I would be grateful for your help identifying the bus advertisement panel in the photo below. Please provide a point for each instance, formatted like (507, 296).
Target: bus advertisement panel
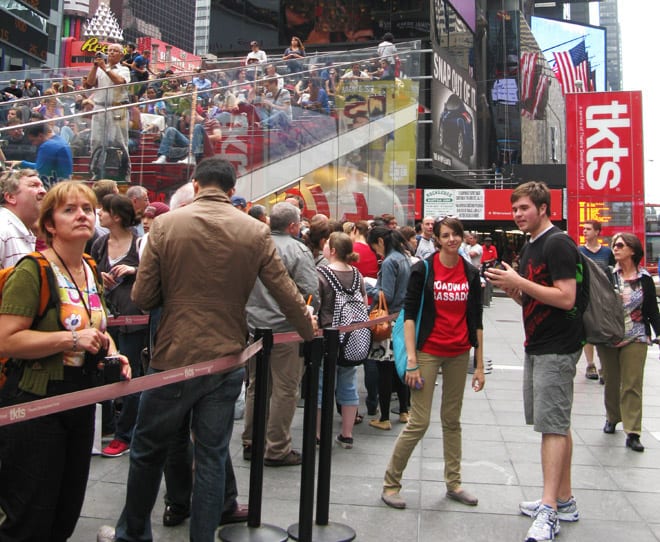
(605, 162)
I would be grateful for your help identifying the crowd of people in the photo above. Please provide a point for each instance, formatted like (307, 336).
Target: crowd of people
(104, 114)
(144, 257)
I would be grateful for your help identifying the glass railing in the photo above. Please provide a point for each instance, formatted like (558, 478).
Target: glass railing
(343, 140)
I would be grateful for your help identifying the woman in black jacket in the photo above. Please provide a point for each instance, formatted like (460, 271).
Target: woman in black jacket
(451, 324)
(623, 363)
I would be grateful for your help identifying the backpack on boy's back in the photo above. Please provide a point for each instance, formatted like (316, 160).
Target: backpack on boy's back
(349, 309)
(599, 303)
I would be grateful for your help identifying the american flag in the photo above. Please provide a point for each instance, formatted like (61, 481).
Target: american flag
(527, 66)
(571, 66)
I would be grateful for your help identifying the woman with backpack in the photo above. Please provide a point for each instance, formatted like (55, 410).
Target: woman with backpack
(448, 290)
(392, 280)
(623, 363)
(341, 284)
(45, 461)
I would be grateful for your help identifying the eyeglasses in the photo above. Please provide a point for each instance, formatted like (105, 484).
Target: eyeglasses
(619, 245)
(442, 218)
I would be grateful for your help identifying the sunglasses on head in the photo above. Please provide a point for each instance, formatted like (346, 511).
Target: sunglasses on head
(442, 218)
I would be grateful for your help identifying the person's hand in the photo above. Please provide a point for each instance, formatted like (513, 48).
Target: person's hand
(11, 164)
(125, 367)
(506, 278)
(414, 378)
(109, 281)
(92, 340)
(478, 379)
(123, 270)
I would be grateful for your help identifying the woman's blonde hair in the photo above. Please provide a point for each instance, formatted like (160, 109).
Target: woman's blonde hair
(57, 196)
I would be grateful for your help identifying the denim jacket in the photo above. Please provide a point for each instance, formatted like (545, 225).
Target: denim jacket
(392, 280)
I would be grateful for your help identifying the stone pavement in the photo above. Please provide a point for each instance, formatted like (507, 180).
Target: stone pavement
(617, 490)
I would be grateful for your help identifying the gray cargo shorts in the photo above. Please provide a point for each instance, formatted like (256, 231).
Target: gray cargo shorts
(548, 391)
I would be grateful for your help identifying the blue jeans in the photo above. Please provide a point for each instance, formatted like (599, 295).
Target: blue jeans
(131, 345)
(161, 415)
(172, 137)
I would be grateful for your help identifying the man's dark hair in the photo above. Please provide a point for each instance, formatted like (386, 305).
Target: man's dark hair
(597, 226)
(35, 130)
(216, 172)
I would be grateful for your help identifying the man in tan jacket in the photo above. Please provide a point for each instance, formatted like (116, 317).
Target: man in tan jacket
(189, 266)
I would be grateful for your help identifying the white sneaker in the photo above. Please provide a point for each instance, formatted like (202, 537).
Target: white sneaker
(545, 526)
(106, 534)
(188, 160)
(566, 511)
(162, 159)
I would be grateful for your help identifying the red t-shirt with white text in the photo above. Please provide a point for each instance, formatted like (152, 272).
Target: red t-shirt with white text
(449, 336)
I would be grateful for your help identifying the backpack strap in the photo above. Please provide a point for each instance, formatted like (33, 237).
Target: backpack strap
(334, 282)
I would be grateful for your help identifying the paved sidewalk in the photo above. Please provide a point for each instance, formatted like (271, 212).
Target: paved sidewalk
(617, 490)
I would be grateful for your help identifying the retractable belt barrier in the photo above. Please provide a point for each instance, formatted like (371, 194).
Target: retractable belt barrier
(58, 403)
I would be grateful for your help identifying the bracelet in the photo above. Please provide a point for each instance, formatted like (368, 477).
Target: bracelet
(411, 369)
(75, 336)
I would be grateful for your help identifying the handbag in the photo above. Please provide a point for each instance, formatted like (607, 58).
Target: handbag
(382, 331)
(398, 341)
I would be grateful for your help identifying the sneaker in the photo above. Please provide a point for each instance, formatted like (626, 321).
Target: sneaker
(162, 159)
(344, 442)
(116, 448)
(187, 160)
(404, 417)
(566, 511)
(106, 534)
(591, 373)
(545, 526)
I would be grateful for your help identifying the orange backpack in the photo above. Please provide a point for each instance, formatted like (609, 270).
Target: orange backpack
(47, 293)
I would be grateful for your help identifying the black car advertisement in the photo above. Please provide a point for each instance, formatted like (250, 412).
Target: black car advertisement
(453, 97)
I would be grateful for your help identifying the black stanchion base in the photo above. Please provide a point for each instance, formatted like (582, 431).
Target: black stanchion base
(243, 533)
(332, 532)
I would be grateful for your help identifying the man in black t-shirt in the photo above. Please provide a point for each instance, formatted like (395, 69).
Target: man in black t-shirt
(547, 289)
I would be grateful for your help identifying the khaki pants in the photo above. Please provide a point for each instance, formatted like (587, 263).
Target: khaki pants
(623, 371)
(286, 370)
(454, 372)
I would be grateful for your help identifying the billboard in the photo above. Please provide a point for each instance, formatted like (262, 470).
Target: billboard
(479, 204)
(605, 162)
(453, 98)
(554, 36)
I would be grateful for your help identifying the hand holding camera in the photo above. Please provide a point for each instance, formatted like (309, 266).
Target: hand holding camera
(100, 60)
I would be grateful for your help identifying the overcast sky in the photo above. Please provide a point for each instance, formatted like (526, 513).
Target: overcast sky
(639, 29)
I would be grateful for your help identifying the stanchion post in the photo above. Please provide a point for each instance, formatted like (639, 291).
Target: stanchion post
(259, 426)
(331, 337)
(313, 357)
(322, 530)
(255, 531)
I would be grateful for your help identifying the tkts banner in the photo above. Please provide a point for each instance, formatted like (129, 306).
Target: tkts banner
(605, 162)
(453, 97)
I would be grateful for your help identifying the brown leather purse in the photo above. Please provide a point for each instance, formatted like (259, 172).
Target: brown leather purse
(383, 330)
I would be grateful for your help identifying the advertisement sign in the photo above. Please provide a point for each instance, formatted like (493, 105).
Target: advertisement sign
(17, 33)
(605, 162)
(453, 98)
(487, 204)
(467, 10)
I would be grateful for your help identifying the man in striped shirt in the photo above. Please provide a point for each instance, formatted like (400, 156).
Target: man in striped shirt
(21, 193)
